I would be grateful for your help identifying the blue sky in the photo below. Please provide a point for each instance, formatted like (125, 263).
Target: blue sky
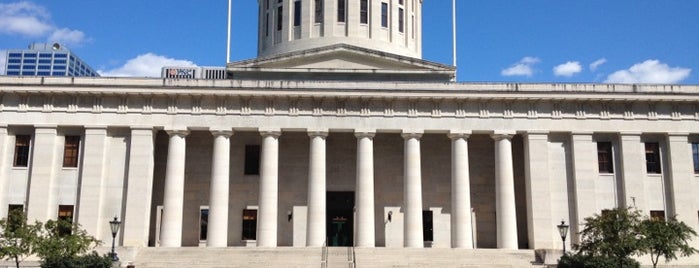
(596, 41)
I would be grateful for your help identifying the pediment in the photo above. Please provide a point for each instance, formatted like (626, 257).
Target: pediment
(341, 57)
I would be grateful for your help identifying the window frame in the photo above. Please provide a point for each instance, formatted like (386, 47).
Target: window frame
(249, 224)
(653, 161)
(401, 20)
(342, 11)
(297, 13)
(364, 11)
(71, 151)
(203, 223)
(657, 214)
(22, 151)
(384, 15)
(605, 157)
(318, 11)
(695, 156)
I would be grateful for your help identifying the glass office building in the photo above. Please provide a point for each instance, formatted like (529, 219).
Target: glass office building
(46, 60)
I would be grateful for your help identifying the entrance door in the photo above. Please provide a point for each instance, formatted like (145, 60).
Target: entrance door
(340, 221)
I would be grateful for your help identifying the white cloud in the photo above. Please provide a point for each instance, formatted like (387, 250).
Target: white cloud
(67, 36)
(567, 69)
(649, 71)
(3, 59)
(24, 18)
(525, 67)
(30, 20)
(146, 65)
(594, 65)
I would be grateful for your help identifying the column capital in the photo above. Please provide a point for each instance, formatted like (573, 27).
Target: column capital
(273, 132)
(411, 134)
(629, 133)
(364, 133)
(497, 136)
(677, 134)
(582, 133)
(537, 135)
(177, 132)
(95, 127)
(459, 134)
(360, 135)
(141, 128)
(45, 126)
(317, 132)
(221, 132)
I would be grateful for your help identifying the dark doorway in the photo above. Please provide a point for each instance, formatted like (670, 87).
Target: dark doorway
(340, 222)
(427, 226)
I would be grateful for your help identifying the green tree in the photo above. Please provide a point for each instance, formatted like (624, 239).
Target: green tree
(18, 238)
(63, 240)
(614, 234)
(665, 238)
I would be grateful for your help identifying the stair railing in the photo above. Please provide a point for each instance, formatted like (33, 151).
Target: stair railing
(324, 255)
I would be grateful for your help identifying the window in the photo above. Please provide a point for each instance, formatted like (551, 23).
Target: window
(364, 11)
(65, 215)
(70, 151)
(341, 10)
(249, 224)
(657, 215)
(604, 157)
(60, 56)
(14, 213)
(695, 156)
(252, 159)
(203, 223)
(606, 212)
(14, 207)
(653, 158)
(15, 55)
(297, 13)
(267, 24)
(401, 27)
(280, 17)
(22, 150)
(319, 11)
(384, 15)
(427, 225)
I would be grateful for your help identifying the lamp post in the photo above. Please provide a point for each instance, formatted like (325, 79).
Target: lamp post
(114, 225)
(563, 230)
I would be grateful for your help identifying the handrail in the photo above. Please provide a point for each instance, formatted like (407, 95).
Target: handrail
(351, 258)
(324, 254)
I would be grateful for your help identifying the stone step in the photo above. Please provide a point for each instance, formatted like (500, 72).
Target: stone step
(336, 257)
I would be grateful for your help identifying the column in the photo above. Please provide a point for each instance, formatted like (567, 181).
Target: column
(315, 232)
(269, 189)
(681, 180)
(538, 187)
(173, 196)
(506, 215)
(633, 168)
(91, 178)
(40, 203)
(5, 153)
(412, 192)
(217, 232)
(136, 222)
(364, 200)
(585, 172)
(461, 229)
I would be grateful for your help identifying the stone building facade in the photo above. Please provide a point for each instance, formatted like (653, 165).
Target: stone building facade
(346, 145)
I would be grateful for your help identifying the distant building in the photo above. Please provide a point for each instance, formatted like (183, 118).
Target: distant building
(194, 72)
(46, 60)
